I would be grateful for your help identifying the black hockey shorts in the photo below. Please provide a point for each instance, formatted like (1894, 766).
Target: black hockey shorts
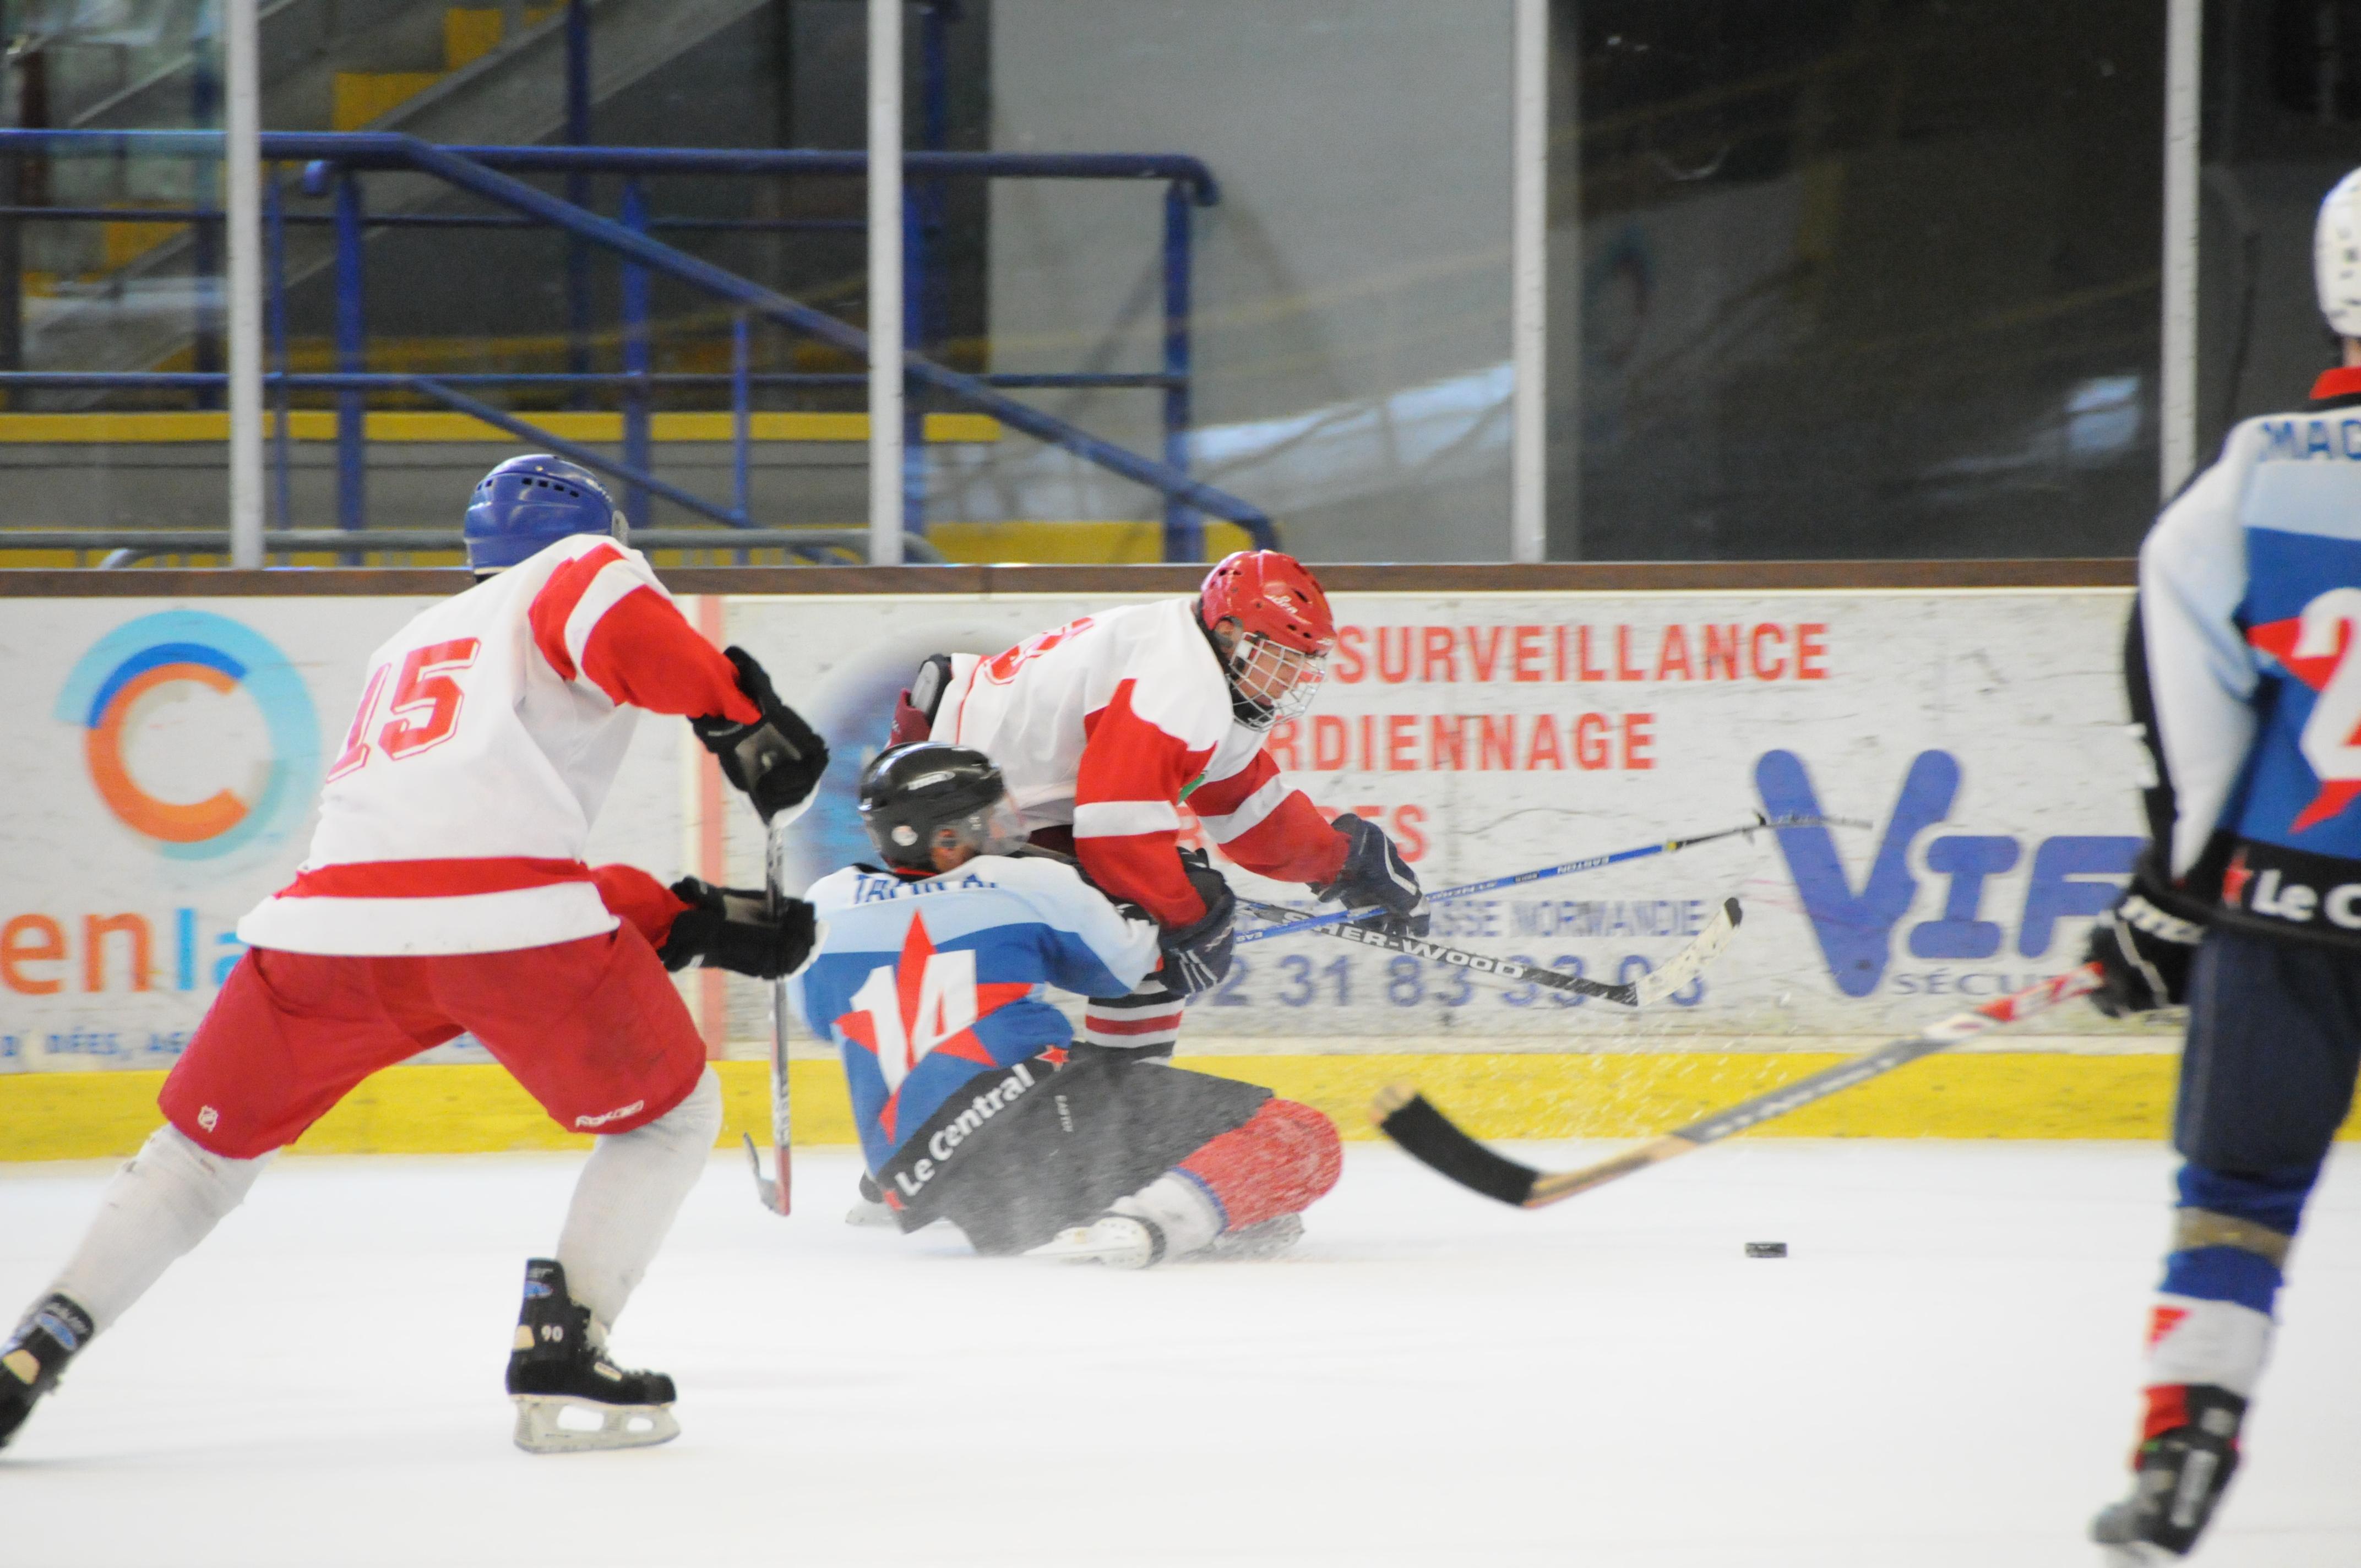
(1092, 1132)
(2274, 1038)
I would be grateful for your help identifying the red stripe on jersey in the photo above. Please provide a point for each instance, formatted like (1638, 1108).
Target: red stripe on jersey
(553, 606)
(1219, 797)
(1100, 1024)
(645, 654)
(1146, 869)
(1293, 844)
(1127, 758)
(633, 896)
(433, 879)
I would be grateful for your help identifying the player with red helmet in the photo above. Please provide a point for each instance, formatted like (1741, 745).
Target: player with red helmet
(1102, 727)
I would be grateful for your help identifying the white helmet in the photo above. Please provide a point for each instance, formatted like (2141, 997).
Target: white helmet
(2337, 257)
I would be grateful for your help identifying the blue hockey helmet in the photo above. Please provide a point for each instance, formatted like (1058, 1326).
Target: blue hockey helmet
(527, 504)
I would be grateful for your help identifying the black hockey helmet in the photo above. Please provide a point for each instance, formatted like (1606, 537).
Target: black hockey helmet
(912, 795)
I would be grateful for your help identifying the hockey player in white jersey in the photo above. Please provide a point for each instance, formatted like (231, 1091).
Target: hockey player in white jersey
(930, 980)
(444, 892)
(2241, 658)
(1104, 725)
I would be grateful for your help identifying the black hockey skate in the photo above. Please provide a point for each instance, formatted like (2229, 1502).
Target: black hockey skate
(2178, 1478)
(568, 1396)
(33, 1357)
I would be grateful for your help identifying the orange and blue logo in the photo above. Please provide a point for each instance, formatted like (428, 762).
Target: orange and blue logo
(154, 659)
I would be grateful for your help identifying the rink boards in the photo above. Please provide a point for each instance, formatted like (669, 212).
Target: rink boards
(173, 746)
(469, 1108)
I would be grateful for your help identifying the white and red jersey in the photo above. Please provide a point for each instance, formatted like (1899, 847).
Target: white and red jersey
(490, 731)
(1107, 724)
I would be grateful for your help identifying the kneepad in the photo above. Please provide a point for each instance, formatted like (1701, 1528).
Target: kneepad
(1286, 1157)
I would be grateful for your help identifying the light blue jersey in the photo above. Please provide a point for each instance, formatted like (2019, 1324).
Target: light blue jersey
(926, 983)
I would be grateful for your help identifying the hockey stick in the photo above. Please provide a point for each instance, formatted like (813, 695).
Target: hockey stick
(776, 1195)
(1404, 1114)
(1649, 988)
(1298, 921)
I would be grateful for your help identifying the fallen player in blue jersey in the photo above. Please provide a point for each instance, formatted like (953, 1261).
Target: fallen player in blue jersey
(930, 980)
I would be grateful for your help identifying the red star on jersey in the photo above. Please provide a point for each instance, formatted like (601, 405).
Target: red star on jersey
(937, 1005)
(2234, 877)
(2278, 638)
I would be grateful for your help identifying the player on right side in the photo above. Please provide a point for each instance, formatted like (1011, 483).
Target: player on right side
(2241, 667)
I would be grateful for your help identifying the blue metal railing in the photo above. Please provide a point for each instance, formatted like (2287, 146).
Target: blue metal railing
(335, 159)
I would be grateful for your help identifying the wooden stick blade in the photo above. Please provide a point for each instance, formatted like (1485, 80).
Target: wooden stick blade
(1690, 961)
(1402, 1113)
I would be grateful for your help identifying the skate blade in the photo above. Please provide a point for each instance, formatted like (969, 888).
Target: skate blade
(1255, 1244)
(871, 1216)
(2137, 1554)
(1075, 1246)
(553, 1423)
(1068, 1246)
(1078, 1246)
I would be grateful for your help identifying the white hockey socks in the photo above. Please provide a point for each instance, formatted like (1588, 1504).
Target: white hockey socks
(2193, 1342)
(156, 1211)
(1179, 1209)
(631, 1189)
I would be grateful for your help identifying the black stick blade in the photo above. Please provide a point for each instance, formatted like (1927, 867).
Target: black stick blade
(1427, 1135)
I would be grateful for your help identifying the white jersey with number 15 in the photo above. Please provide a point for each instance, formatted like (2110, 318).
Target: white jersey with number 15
(488, 732)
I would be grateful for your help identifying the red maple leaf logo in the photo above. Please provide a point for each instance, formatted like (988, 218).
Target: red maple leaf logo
(2280, 638)
(2162, 1322)
(926, 1003)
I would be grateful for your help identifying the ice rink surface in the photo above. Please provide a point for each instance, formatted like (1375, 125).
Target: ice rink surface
(1942, 1371)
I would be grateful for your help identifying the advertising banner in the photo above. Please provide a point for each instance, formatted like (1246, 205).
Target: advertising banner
(162, 767)
(1977, 740)
(166, 755)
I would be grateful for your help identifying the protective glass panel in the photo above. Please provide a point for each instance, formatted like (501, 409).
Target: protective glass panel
(1836, 279)
(2282, 126)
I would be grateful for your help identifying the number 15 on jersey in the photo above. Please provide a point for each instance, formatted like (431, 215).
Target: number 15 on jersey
(423, 711)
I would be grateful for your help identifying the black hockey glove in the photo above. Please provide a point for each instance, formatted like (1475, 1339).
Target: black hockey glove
(1197, 956)
(2145, 945)
(735, 928)
(1375, 875)
(777, 760)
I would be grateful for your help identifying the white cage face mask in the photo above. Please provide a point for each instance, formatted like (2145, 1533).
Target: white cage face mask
(1278, 682)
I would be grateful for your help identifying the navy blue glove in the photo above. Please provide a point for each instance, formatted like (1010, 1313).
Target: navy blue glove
(735, 928)
(2145, 945)
(1197, 956)
(777, 760)
(1375, 876)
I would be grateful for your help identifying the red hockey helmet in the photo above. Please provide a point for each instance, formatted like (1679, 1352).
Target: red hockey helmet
(1275, 659)
(1270, 594)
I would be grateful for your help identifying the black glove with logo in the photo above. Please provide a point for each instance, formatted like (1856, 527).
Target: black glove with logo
(1376, 876)
(1197, 956)
(736, 928)
(777, 760)
(2145, 945)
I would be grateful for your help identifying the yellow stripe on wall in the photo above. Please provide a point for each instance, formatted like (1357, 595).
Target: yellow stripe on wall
(320, 424)
(479, 1109)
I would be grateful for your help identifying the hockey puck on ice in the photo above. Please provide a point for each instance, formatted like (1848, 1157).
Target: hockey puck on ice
(1766, 1249)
